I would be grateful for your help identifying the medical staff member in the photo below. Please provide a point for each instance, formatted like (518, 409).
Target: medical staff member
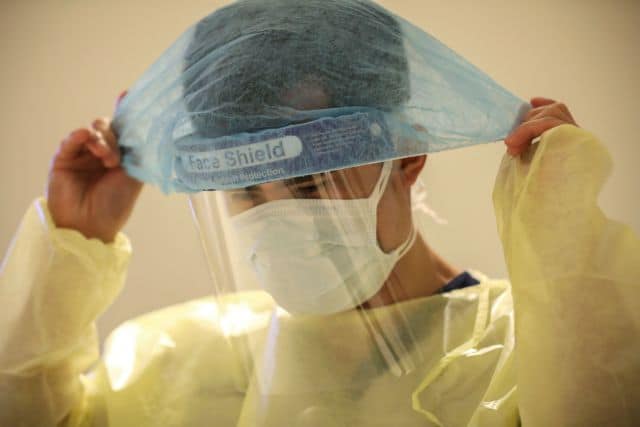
(69, 260)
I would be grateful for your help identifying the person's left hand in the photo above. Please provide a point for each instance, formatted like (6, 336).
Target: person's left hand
(545, 114)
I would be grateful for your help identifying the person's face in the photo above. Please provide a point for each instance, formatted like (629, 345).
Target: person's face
(394, 208)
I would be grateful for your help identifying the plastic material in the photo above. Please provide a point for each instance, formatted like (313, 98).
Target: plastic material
(330, 247)
(262, 91)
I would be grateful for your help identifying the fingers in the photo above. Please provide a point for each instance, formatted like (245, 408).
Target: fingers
(106, 134)
(74, 144)
(82, 147)
(102, 127)
(539, 101)
(555, 109)
(80, 142)
(545, 114)
(520, 139)
(98, 141)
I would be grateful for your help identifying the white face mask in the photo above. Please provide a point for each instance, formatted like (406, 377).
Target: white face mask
(318, 256)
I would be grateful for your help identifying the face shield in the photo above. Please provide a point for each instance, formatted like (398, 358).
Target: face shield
(315, 283)
(310, 242)
(301, 173)
(313, 247)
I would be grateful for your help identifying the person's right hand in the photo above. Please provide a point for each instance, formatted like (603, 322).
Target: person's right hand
(88, 190)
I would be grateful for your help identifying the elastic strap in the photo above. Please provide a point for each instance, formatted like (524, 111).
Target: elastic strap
(381, 185)
(378, 191)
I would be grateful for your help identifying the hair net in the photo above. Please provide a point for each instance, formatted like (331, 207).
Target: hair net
(261, 91)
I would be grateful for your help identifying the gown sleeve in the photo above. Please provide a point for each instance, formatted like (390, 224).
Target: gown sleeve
(575, 278)
(54, 283)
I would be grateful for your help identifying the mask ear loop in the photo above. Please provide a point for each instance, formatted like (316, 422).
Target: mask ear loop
(383, 180)
(378, 191)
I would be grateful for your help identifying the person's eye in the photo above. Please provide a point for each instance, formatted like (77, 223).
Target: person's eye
(307, 190)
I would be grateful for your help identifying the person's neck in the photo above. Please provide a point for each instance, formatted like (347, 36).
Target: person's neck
(419, 273)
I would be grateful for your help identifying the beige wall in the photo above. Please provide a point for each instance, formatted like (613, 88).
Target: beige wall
(65, 61)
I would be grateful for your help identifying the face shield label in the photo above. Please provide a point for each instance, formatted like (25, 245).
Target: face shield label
(252, 155)
(247, 159)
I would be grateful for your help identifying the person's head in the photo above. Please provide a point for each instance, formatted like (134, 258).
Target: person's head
(265, 60)
(250, 63)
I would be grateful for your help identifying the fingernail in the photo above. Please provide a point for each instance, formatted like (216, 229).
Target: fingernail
(100, 139)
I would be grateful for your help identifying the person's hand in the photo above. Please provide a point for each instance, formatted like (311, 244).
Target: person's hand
(545, 114)
(88, 190)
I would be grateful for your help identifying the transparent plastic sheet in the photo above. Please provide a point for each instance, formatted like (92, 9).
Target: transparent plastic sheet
(323, 320)
(257, 91)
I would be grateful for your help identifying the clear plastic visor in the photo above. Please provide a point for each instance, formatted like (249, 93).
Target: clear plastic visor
(346, 184)
(316, 294)
(317, 244)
